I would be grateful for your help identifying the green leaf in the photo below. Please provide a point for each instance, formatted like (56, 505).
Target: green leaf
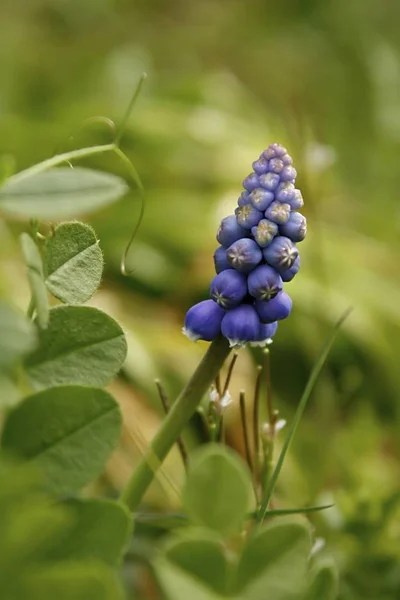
(81, 345)
(68, 432)
(9, 393)
(59, 193)
(218, 489)
(34, 266)
(177, 583)
(274, 562)
(17, 336)
(324, 582)
(73, 581)
(100, 531)
(202, 556)
(73, 263)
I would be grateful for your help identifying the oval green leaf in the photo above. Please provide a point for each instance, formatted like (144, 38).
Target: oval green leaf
(73, 263)
(59, 193)
(68, 432)
(324, 582)
(34, 266)
(81, 345)
(17, 336)
(74, 580)
(100, 530)
(218, 489)
(274, 562)
(203, 557)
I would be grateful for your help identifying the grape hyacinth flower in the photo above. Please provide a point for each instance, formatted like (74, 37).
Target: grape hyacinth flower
(281, 253)
(256, 256)
(230, 231)
(221, 260)
(241, 325)
(247, 216)
(203, 321)
(264, 283)
(228, 288)
(244, 255)
(276, 309)
(264, 232)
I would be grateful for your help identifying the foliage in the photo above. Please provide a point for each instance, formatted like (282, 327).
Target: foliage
(323, 79)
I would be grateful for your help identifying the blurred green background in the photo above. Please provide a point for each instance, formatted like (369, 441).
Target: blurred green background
(225, 80)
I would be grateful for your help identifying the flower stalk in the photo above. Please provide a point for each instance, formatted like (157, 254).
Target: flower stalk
(171, 428)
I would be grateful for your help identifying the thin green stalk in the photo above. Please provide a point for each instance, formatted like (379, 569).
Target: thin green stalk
(62, 158)
(166, 406)
(180, 413)
(125, 119)
(299, 412)
(256, 424)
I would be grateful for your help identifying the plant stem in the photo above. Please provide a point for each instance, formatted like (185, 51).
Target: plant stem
(61, 158)
(256, 424)
(167, 408)
(180, 413)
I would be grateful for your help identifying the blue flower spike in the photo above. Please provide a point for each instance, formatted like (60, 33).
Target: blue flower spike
(256, 257)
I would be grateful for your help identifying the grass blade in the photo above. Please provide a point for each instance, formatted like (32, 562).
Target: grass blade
(299, 412)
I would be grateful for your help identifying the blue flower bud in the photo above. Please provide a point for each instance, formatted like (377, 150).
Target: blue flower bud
(286, 159)
(220, 260)
(251, 182)
(275, 165)
(264, 232)
(244, 198)
(265, 334)
(274, 151)
(295, 228)
(281, 253)
(285, 192)
(228, 288)
(269, 181)
(297, 201)
(244, 255)
(261, 198)
(289, 173)
(241, 325)
(247, 216)
(260, 166)
(229, 231)
(288, 274)
(274, 310)
(264, 283)
(278, 213)
(203, 321)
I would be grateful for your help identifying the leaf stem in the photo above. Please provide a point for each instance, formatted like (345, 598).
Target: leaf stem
(180, 413)
(298, 414)
(61, 158)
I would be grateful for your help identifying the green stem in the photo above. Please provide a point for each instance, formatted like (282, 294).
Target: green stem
(61, 158)
(180, 413)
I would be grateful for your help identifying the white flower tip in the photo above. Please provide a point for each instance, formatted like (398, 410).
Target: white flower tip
(194, 337)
